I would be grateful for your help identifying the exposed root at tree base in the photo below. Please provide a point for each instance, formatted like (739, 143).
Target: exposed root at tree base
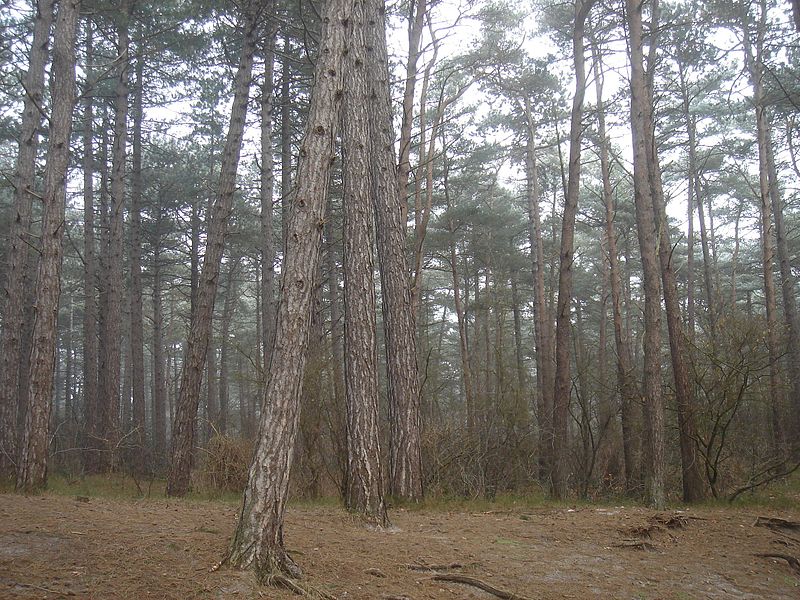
(481, 585)
(793, 562)
(300, 589)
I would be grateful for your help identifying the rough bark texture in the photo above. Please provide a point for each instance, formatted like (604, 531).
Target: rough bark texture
(32, 467)
(11, 357)
(646, 228)
(364, 494)
(405, 459)
(563, 384)
(183, 429)
(258, 541)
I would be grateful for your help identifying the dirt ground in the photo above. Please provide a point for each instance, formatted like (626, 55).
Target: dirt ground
(57, 547)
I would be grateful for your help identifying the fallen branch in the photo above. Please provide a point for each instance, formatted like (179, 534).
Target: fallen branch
(776, 524)
(793, 562)
(481, 585)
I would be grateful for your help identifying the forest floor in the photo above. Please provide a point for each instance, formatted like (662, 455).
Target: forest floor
(60, 546)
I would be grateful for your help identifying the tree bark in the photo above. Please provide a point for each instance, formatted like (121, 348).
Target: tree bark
(417, 9)
(12, 360)
(563, 384)
(693, 485)
(32, 467)
(364, 475)
(135, 265)
(159, 367)
(405, 454)
(265, 193)
(646, 228)
(258, 540)
(183, 429)
(111, 359)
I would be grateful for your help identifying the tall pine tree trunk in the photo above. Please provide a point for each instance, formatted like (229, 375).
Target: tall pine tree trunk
(626, 377)
(135, 261)
(646, 227)
(183, 429)
(12, 358)
(32, 467)
(563, 384)
(112, 353)
(364, 493)
(405, 454)
(258, 540)
(542, 322)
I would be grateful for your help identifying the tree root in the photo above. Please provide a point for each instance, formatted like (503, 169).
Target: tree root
(300, 589)
(481, 585)
(793, 562)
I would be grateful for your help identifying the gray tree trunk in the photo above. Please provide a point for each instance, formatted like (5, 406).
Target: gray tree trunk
(364, 474)
(405, 454)
(258, 540)
(646, 227)
(563, 384)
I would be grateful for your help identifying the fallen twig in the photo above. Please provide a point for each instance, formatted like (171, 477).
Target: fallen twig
(793, 562)
(636, 545)
(481, 585)
(421, 567)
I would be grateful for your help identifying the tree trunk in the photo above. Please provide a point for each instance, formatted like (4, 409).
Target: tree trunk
(112, 354)
(338, 418)
(135, 263)
(405, 459)
(286, 144)
(787, 289)
(417, 10)
(645, 223)
(265, 194)
(90, 355)
(754, 65)
(364, 474)
(626, 377)
(32, 467)
(258, 541)
(228, 310)
(159, 370)
(12, 359)
(561, 396)
(183, 430)
(693, 485)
